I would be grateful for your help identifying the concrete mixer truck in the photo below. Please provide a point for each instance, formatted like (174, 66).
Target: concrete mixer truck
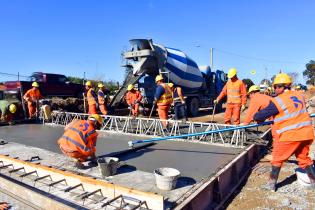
(145, 60)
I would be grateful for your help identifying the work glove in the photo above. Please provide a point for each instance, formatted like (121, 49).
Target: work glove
(154, 102)
(216, 101)
(243, 107)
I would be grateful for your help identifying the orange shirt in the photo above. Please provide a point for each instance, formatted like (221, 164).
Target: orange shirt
(235, 92)
(132, 96)
(32, 95)
(258, 101)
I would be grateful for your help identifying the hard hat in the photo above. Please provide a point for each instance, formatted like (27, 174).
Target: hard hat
(88, 83)
(170, 85)
(158, 78)
(253, 88)
(130, 87)
(282, 78)
(35, 84)
(96, 117)
(12, 108)
(232, 73)
(100, 85)
(298, 87)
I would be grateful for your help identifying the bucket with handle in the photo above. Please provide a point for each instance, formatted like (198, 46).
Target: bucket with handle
(166, 178)
(108, 166)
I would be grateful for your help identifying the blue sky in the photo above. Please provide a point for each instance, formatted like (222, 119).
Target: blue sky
(76, 36)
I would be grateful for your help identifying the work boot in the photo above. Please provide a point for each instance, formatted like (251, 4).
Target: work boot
(79, 165)
(310, 171)
(274, 174)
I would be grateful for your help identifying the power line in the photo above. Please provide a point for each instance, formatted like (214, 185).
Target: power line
(255, 58)
(13, 75)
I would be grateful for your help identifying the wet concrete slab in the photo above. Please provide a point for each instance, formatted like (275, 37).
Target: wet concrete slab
(194, 161)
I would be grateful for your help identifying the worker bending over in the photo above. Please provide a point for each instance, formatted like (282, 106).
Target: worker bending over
(178, 102)
(101, 96)
(79, 139)
(7, 111)
(235, 90)
(163, 99)
(133, 99)
(91, 98)
(293, 129)
(258, 101)
(32, 96)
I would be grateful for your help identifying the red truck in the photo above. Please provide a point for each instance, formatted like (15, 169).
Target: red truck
(49, 85)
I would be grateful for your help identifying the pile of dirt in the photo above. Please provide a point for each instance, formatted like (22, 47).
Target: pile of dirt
(69, 104)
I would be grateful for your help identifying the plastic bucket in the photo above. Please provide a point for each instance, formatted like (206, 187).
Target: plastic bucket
(108, 166)
(166, 178)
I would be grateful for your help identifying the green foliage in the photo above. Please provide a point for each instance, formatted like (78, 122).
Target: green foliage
(248, 83)
(309, 73)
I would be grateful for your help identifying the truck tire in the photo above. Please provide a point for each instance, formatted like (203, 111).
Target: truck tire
(193, 107)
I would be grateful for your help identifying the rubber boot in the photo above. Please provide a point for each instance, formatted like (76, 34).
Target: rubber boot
(311, 175)
(273, 178)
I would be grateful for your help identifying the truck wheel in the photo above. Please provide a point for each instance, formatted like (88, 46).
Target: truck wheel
(193, 107)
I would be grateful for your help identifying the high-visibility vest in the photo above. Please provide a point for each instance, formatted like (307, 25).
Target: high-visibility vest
(91, 97)
(293, 122)
(234, 91)
(80, 137)
(167, 97)
(32, 95)
(131, 97)
(101, 97)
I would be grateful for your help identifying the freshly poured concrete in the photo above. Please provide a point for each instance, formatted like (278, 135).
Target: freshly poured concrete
(194, 161)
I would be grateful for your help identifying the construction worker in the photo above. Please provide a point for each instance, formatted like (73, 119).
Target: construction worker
(91, 98)
(163, 99)
(293, 129)
(101, 96)
(79, 139)
(235, 90)
(32, 96)
(178, 102)
(133, 99)
(258, 101)
(7, 110)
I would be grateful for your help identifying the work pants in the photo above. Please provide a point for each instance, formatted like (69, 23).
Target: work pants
(163, 113)
(103, 109)
(74, 154)
(135, 110)
(92, 109)
(179, 111)
(31, 109)
(232, 111)
(282, 151)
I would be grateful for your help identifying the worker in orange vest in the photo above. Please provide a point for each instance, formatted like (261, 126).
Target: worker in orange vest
(133, 99)
(163, 99)
(91, 98)
(79, 139)
(178, 102)
(258, 102)
(32, 96)
(294, 132)
(101, 96)
(235, 90)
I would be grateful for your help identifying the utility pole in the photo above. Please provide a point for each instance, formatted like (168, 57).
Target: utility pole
(211, 58)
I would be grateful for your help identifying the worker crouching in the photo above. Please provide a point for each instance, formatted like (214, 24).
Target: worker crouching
(163, 99)
(7, 111)
(79, 139)
(133, 99)
(32, 97)
(293, 131)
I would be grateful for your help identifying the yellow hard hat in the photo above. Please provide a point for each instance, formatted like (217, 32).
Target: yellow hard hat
(88, 83)
(170, 85)
(298, 87)
(130, 87)
(100, 85)
(96, 117)
(282, 78)
(232, 73)
(158, 78)
(253, 88)
(35, 84)
(12, 108)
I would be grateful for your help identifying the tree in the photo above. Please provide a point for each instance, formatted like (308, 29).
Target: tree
(265, 82)
(294, 76)
(309, 73)
(248, 83)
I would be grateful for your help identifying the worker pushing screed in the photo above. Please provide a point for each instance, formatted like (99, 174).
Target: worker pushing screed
(91, 97)
(101, 97)
(235, 90)
(293, 131)
(32, 97)
(79, 139)
(133, 99)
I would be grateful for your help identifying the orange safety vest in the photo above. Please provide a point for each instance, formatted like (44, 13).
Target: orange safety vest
(293, 122)
(91, 97)
(80, 137)
(131, 97)
(234, 91)
(32, 95)
(167, 97)
(101, 97)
